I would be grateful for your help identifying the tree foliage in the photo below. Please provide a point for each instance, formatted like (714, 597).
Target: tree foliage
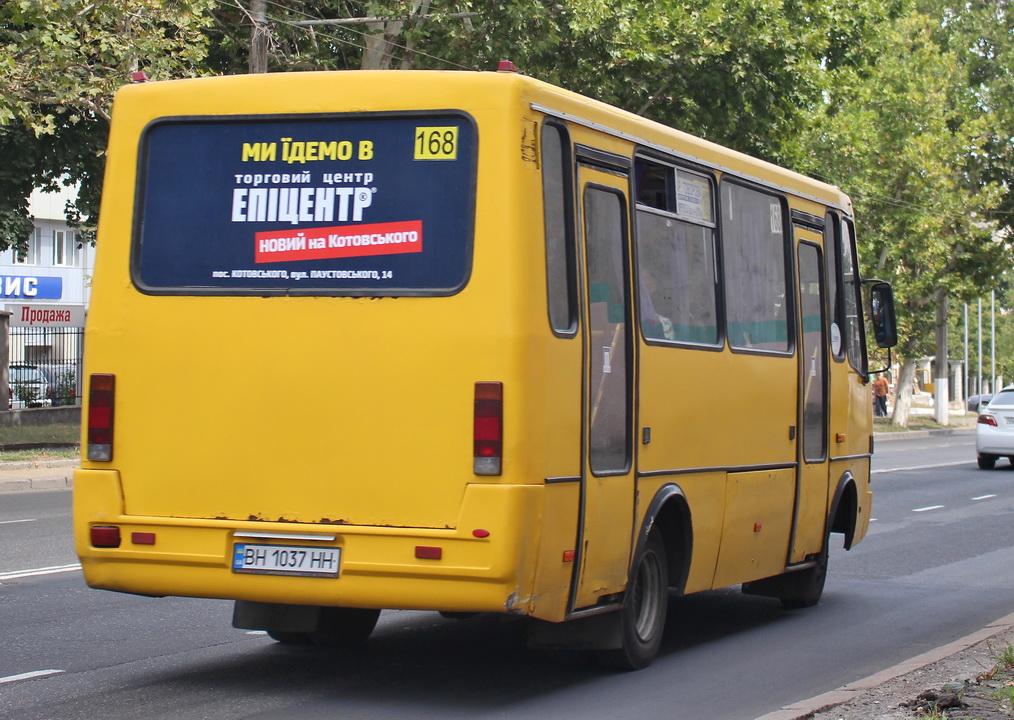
(906, 104)
(61, 61)
(900, 138)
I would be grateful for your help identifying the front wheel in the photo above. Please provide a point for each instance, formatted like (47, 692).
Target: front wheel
(644, 609)
(986, 462)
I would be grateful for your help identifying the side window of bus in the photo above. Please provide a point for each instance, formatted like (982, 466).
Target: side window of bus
(851, 300)
(832, 258)
(677, 284)
(557, 198)
(755, 270)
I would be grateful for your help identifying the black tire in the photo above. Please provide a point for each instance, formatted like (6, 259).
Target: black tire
(986, 462)
(808, 584)
(644, 610)
(344, 627)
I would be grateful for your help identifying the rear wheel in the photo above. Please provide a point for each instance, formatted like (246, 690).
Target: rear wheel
(986, 462)
(341, 627)
(644, 610)
(808, 585)
(336, 627)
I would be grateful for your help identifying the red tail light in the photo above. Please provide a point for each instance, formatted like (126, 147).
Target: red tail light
(101, 401)
(487, 435)
(987, 420)
(105, 536)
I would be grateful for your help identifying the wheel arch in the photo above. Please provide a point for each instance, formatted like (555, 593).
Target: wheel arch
(669, 512)
(844, 513)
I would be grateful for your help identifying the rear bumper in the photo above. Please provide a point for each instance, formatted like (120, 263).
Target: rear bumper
(994, 442)
(379, 567)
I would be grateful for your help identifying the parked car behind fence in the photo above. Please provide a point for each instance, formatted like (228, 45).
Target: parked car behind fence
(63, 383)
(29, 387)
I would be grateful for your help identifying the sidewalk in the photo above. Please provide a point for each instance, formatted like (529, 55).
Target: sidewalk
(892, 694)
(31, 475)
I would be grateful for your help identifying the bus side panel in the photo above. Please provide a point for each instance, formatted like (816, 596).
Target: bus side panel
(757, 526)
(858, 443)
(705, 495)
(708, 409)
(554, 575)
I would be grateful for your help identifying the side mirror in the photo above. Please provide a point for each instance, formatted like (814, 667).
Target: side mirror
(882, 318)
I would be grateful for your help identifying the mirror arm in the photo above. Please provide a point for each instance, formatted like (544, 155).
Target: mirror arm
(883, 369)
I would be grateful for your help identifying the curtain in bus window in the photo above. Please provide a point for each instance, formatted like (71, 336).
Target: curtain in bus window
(607, 313)
(676, 275)
(753, 246)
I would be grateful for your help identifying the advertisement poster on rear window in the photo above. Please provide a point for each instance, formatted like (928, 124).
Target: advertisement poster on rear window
(374, 205)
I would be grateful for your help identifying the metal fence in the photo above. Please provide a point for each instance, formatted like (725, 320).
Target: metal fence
(45, 366)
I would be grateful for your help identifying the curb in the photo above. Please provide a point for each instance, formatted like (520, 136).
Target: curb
(13, 485)
(804, 709)
(37, 475)
(915, 434)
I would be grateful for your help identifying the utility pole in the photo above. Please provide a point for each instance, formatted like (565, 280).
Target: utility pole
(259, 36)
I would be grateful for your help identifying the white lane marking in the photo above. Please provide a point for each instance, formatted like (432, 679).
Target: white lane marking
(984, 497)
(929, 507)
(29, 675)
(12, 522)
(920, 467)
(52, 570)
(256, 632)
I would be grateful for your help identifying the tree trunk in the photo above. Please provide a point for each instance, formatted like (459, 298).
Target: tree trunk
(941, 375)
(375, 43)
(903, 394)
(258, 37)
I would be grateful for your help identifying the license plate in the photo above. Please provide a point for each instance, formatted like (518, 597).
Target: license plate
(286, 560)
(1010, 420)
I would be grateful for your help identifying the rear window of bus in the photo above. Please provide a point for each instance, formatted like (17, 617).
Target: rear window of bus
(361, 205)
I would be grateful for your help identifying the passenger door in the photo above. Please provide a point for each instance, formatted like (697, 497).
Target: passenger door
(608, 477)
(811, 483)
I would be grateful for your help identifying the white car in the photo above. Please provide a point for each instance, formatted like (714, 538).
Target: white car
(29, 387)
(994, 430)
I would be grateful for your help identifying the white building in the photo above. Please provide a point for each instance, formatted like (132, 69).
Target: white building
(57, 269)
(47, 288)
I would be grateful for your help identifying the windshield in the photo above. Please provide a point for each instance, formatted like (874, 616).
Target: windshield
(334, 205)
(1004, 397)
(23, 375)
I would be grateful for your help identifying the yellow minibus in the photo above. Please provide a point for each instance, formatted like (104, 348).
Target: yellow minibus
(463, 342)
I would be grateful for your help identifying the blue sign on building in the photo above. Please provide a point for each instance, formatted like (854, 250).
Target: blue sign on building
(31, 287)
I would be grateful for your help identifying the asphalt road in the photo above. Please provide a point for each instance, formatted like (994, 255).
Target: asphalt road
(935, 567)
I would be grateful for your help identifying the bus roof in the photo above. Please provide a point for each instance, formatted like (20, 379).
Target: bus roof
(384, 90)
